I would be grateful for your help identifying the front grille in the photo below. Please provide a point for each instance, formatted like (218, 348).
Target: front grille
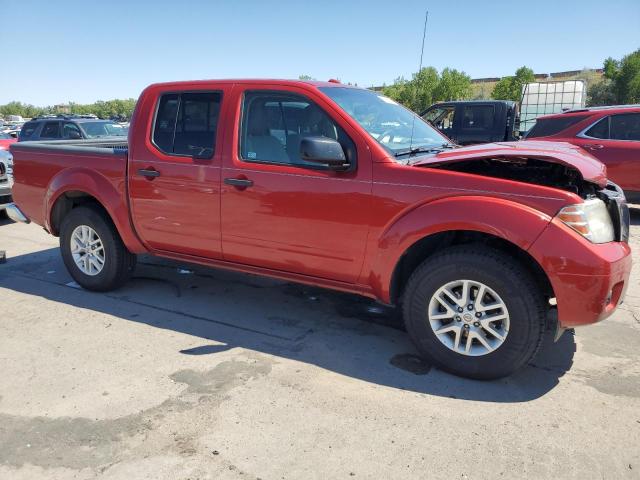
(3, 169)
(613, 196)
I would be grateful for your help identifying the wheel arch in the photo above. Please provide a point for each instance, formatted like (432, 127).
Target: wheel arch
(75, 187)
(422, 249)
(501, 223)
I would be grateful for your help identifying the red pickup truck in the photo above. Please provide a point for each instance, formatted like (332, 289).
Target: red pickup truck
(341, 187)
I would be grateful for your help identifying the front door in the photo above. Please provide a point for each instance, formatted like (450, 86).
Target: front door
(279, 212)
(174, 176)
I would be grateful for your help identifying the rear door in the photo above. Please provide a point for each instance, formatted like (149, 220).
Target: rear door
(277, 211)
(174, 172)
(615, 141)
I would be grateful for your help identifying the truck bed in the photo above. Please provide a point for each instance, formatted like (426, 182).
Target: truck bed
(43, 166)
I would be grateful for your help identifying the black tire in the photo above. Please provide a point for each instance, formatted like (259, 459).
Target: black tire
(508, 278)
(3, 215)
(119, 262)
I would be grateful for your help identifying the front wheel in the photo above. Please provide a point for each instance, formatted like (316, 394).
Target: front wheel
(475, 312)
(92, 250)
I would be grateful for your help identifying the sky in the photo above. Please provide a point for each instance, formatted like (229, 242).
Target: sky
(85, 50)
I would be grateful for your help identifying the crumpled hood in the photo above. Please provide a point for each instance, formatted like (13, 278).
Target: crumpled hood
(591, 169)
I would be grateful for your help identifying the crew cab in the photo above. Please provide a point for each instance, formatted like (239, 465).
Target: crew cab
(611, 134)
(484, 248)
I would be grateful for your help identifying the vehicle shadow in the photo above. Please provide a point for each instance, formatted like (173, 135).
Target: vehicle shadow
(343, 333)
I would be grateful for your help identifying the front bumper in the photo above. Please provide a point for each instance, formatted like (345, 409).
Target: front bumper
(589, 280)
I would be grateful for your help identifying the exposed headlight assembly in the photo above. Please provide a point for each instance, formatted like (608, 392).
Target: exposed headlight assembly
(590, 219)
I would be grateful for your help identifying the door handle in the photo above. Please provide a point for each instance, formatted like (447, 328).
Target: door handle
(594, 146)
(149, 172)
(238, 182)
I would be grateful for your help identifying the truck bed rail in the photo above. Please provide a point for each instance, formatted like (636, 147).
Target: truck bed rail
(96, 146)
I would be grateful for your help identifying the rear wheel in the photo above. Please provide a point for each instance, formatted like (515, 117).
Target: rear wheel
(475, 312)
(92, 250)
(3, 215)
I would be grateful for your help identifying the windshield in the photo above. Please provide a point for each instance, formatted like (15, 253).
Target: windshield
(389, 123)
(4, 136)
(103, 129)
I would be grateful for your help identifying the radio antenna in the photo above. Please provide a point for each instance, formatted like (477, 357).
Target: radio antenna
(424, 35)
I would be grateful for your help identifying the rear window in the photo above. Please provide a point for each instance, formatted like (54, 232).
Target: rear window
(478, 117)
(186, 123)
(28, 129)
(546, 127)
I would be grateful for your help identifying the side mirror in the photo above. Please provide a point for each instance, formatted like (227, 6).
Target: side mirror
(73, 135)
(323, 151)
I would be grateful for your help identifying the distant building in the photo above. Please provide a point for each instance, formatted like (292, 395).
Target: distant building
(62, 108)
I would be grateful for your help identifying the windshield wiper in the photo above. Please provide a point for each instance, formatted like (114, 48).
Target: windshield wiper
(416, 150)
(424, 149)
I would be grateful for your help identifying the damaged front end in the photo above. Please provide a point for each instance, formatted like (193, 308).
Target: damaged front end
(525, 170)
(549, 173)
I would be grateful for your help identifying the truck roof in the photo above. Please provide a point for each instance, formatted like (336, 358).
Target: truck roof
(266, 81)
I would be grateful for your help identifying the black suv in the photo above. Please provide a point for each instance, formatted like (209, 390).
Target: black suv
(69, 128)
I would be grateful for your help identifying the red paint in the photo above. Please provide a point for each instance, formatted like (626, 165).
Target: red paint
(340, 230)
(621, 157)
(6, 142)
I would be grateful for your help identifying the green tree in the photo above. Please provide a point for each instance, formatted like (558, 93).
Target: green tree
(510, 88)
(428, 86)
(453, 85)
(625, 77)
(305, 77)
(601, 93)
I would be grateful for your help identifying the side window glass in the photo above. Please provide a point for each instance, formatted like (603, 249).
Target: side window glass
(27, 130)
(70, 130)
(165, 124)
(599, 130)
(478, 117)
(51, 130)
(196, 125)
(625, 126)
(186, 123)
(444, 121)
(274, 124)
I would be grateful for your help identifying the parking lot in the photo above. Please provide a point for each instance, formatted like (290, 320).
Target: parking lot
(192, 373)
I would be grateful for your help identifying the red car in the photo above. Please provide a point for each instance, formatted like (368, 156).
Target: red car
(343, 188)
(6, 140)
(611, 134)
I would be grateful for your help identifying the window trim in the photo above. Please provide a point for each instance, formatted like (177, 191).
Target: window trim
(284, 93)
(583, 134)
(155, 117)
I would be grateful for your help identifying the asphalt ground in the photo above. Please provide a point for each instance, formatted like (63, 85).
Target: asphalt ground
(194, 373)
